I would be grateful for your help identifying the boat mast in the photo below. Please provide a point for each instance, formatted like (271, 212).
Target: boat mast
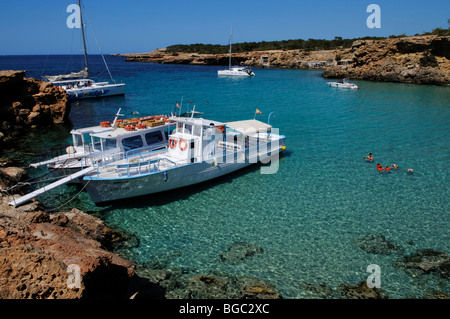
(231, 40)
(84, 40)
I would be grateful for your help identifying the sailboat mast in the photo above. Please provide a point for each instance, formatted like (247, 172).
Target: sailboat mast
(231, 41)
(84, 40)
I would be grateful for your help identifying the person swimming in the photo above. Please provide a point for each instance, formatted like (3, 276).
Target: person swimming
(369, 157)
(394, 166)
(379, 167)
(410, 171)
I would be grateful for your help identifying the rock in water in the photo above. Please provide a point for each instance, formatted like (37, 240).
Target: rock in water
(378, 244)
(240, 251)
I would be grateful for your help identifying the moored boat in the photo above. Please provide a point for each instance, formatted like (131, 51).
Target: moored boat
(198, 150)
(344, 84)
(108, 138)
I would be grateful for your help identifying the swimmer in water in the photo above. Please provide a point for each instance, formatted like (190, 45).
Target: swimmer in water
(394, 166)
(369, 158)
(379, 167)
(410, 171)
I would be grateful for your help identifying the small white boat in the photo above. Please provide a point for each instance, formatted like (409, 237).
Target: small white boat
(344, 84)
(235, 70)
(108, 138)
(199, 150)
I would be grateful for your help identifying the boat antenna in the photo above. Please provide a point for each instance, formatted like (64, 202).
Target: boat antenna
(115, 118)
(268, 118)
(84, 41)
(231, 41)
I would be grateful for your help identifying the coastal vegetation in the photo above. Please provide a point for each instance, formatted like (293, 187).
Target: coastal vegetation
(294, 44)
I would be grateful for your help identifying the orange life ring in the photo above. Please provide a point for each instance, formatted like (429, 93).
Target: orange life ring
(105, 124)
(130, 127)
(182, 140)
(172, 143)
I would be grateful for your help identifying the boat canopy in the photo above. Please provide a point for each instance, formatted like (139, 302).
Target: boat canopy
(249, 126)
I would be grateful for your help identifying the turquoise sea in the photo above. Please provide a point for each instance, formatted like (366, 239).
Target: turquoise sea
(308, 217)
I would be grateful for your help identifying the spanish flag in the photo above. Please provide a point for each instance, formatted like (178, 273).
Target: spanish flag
(258, 111)
(178, 106)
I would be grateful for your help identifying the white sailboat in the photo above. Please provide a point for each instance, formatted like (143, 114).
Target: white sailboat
(235, 70)
(79, 85)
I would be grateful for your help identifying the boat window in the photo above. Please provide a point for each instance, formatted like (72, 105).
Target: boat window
(87, 138)
(187, 128)
(77, 140)
(197, 130)
(109, 143)
(153, 137)
(133, 142)
(96, 143)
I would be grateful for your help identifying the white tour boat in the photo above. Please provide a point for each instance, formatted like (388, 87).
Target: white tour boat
(78, 85)
(235, 70)
(344, 84)
(199, 150)
(108, 138)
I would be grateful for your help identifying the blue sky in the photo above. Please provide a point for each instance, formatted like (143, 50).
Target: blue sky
(39, 27)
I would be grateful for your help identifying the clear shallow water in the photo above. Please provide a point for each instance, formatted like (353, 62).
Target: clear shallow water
(308, 216)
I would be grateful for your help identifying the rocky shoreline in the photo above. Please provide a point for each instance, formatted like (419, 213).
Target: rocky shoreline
(26, 103)
(418, 59)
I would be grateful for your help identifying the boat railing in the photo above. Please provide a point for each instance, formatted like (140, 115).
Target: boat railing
(145, 150)
(138, 168)
(102, 157)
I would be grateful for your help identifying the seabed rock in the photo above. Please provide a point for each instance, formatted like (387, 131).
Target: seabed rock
(360, 291)
(240, 251)
(424, 262)
(378, 244)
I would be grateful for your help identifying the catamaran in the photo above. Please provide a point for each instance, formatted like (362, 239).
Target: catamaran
(343, 84)
(79, 85)
(235, 70)
(199, 150)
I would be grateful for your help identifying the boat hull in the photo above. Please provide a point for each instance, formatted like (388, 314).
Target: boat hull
(235, 73)
(108, 190)
(343, 85)
(96, 91)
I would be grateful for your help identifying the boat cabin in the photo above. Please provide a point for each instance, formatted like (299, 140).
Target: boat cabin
(98, 138)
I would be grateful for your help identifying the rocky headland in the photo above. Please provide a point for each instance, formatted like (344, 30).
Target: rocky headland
(27, 103)
(418, 59)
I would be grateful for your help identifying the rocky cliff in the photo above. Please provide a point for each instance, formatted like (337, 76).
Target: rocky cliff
(420, 60)
(273, 58)
(28, 103)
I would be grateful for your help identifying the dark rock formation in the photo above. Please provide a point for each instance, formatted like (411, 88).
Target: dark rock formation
(175, 284)
(427, 261)
(240, 251)
(377, 244)
(360, 291)
(28, 103)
